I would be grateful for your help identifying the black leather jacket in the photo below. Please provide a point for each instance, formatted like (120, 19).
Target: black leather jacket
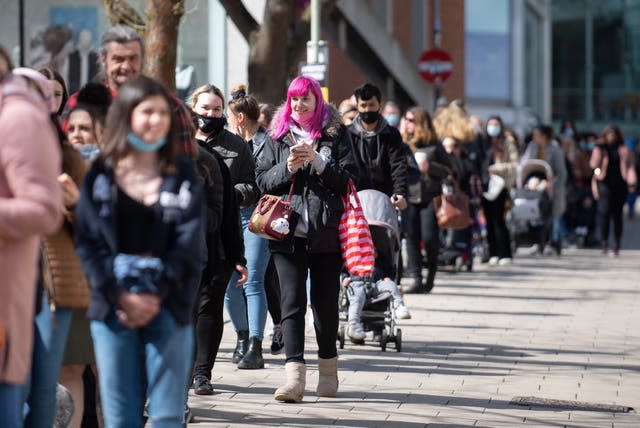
(321, 191)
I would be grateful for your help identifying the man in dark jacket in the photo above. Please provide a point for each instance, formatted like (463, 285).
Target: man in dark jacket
(377, 148)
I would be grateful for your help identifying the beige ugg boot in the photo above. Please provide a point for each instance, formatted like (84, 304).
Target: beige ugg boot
(327, 377)
(293, 390)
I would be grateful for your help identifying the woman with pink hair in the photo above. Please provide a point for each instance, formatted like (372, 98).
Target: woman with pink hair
(311, 151)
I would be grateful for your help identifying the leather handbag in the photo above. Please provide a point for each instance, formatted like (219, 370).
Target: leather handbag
(272, 216)
(62, 273)
(452, 208)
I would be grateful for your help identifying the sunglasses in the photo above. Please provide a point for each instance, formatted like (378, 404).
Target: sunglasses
(410, 119)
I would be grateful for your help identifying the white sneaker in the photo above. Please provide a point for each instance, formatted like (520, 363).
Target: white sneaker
(505, 261)
(402, 312)
(356, 333)
(494, 260)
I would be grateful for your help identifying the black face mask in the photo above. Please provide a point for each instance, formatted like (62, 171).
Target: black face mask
(211, 124)
(369, 117)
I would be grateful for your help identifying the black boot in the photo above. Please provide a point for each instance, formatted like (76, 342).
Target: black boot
(431, 276)
(241, 346)
(253, 358)
(413, 285)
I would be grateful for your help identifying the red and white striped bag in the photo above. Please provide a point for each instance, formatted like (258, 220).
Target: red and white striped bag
(355, 236)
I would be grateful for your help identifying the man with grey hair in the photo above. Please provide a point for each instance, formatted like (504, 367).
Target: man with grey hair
(121, 59)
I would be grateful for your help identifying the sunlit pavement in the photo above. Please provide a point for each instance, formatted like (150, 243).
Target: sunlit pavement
(563, 328)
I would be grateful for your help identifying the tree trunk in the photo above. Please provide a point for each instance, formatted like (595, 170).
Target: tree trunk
(161, 40)
(268, 62)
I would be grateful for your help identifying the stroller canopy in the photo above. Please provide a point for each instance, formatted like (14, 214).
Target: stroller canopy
(533, 167)
(379, 211)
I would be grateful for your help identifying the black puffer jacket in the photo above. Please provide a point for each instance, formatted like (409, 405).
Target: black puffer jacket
(321, 191)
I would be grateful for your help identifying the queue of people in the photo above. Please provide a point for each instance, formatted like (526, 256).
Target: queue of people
(136, 209)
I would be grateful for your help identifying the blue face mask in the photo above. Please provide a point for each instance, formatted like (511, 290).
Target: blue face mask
(142, 146)
(89, 151)
(393, 119)
(587, 146)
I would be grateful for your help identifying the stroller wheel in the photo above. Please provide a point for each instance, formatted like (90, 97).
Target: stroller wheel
(384, 337)
(398, 340)
(341, 336)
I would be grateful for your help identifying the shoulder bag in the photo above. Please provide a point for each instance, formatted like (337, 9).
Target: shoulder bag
(271, 217)
(452, 207)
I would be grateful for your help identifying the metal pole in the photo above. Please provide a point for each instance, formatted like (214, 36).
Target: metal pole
(21, 30)
(437, 28)
(315, 30)
(437, 24)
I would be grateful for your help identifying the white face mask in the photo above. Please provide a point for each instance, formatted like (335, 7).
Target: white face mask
(493, 130)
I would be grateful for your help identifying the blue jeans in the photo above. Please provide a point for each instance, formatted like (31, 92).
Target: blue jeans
(49, 342)
(10, 400)
(153, 361)
(252, 314)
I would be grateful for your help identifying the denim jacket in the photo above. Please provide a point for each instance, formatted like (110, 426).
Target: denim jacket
(179, 239)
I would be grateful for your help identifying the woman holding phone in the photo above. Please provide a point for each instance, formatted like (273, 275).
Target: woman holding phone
(311, 151)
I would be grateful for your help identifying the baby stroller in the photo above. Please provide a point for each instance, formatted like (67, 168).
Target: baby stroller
(378, 314)
(530, 215)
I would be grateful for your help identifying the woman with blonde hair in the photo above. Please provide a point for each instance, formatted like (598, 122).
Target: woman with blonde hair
(454, 121)
(420, 218)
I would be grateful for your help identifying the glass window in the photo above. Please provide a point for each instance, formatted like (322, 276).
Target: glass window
(596, 60)
(487, 44)
(568, 59)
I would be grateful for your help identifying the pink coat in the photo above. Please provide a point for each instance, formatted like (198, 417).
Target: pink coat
(30, 205)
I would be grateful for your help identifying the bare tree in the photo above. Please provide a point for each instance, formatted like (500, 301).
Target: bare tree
(276, 46)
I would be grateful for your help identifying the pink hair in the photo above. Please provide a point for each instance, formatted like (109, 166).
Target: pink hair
(301, 86)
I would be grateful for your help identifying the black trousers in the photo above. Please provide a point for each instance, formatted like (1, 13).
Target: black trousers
(498, 235)
(610, 204)
(209, 323)
(421, 225)
(272, 289)
(325, 282)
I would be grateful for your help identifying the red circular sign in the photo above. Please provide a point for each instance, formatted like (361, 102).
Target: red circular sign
(435, 66)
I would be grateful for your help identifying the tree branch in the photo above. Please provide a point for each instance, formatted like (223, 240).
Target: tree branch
(120, 12)
(241, 17)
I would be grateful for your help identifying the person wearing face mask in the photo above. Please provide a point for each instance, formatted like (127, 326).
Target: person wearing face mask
(500, 158)
(391, 113)
(207, 102)
(378, 148)
(140, 237)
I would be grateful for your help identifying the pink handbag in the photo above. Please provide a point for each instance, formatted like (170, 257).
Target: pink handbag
(355, 236)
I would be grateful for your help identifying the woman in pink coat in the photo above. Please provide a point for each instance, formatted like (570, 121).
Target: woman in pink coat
(30, 205)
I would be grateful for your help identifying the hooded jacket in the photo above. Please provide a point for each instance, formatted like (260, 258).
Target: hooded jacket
(321, 192)
(379, 155)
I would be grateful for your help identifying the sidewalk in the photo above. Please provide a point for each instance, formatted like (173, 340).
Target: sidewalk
(557, 328)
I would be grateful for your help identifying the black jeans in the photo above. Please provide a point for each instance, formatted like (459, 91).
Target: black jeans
(324, 271)
(421, 225)
(610, 204)
(498, 235)
(209, 321)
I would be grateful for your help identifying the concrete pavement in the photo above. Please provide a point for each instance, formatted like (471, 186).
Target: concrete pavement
(557, 328)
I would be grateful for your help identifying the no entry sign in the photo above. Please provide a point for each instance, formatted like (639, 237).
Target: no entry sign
(435, 66)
